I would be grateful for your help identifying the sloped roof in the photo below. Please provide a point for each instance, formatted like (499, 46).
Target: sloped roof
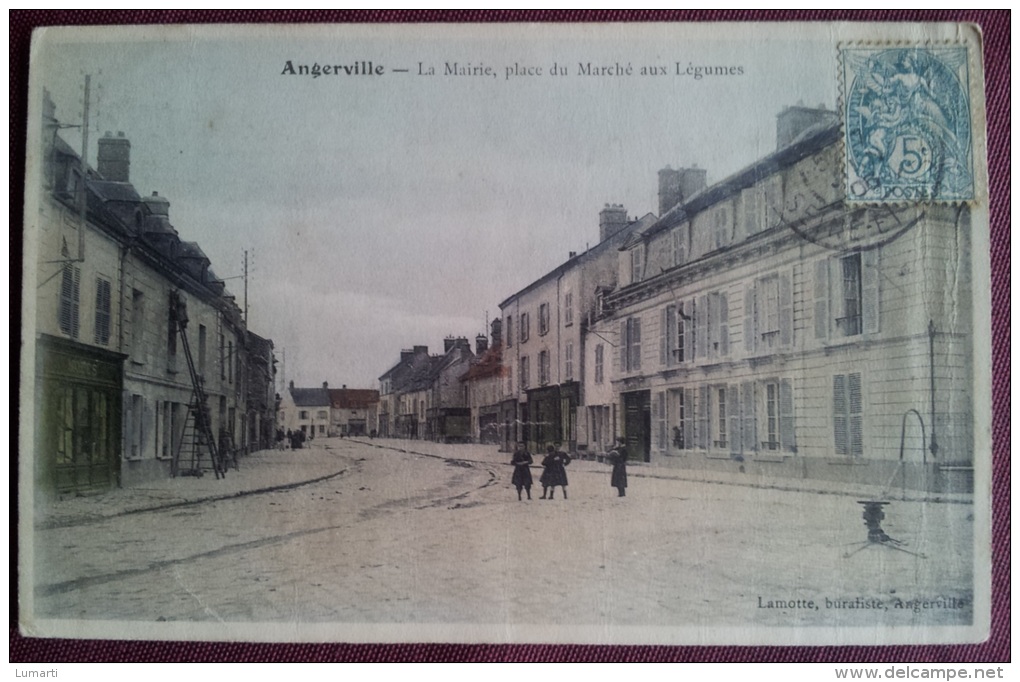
(353, 398)
(490, 364)
(808, 142)
(310, 397)
(114, 191)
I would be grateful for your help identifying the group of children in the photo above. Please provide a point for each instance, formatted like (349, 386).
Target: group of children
(555, 473)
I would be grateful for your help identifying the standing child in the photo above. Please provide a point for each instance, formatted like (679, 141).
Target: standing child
(522, 461)
(555, 473)
(618, 458)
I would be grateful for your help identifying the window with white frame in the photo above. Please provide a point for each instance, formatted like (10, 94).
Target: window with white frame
(568, 309)
(509, 331)
(524, 376)
(568, 361)
(524, 327)
(543, 319)
(712, 338)
(847, 295)
(600, 363)
(719, 416)
(771, 434)
(630, 344)
(676, 336)
(543, 368)
(680, 426)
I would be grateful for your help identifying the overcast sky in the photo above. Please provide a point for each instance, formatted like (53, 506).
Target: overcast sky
(387, 211)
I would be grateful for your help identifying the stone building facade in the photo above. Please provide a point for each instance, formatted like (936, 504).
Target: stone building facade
(113, 384)
(764, 326)
(545, 335)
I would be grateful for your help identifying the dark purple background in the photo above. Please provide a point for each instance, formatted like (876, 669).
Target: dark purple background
(996, 28)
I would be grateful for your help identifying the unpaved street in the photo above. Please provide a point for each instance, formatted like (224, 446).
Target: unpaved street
(395, 537)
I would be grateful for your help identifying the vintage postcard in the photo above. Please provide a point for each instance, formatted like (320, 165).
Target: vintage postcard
(615, 334)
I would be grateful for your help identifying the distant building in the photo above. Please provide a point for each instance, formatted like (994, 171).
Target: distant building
(422, 396)
(392, 384)
(306, 410)
(545, 336)
(354, 411)
(484, 384)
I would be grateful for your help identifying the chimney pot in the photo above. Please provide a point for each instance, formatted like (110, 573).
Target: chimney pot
(114, 161)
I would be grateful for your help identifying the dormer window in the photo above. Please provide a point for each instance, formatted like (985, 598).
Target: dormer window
(637, 263)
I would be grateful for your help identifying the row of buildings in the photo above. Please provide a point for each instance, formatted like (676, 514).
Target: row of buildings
(128, 319)
(325, 412)
(761, 323)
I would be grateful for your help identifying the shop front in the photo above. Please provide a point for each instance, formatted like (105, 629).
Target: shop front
(78, 410)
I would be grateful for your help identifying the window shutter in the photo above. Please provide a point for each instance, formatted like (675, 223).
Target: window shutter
(750, 423)
(856, 409)
(870, 290)
(750, 317)
(840, 426)
(689, 418)
(724, 325)
(689, 327)
(663, 336)
(786, 309)
(66, 289)
(624, 346)
(635, 361)
(670, 335)
(787, 432)
(701, 327)
(703, 433)
(660, 413)
(733, 419)
(822, 299)
(839, 413)
(76, 303)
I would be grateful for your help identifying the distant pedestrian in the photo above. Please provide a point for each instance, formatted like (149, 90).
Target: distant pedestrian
(555, 473)
(522, 461)
(279, 439)
(618, 458)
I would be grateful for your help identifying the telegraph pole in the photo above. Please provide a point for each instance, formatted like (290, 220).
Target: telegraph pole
(84, 201)
(246, 287)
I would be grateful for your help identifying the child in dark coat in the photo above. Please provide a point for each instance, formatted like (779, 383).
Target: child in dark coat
(555, 473)
(522, 461)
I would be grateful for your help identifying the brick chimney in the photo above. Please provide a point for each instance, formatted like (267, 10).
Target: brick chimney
(325, 385)
(496, 331)
(481, 344)
(692, 181)
(612, 219)
(792, 122)
(114, 157)
(677, 186)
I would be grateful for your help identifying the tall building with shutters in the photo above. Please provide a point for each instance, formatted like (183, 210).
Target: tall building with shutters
(763, 325)
(113, 386)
